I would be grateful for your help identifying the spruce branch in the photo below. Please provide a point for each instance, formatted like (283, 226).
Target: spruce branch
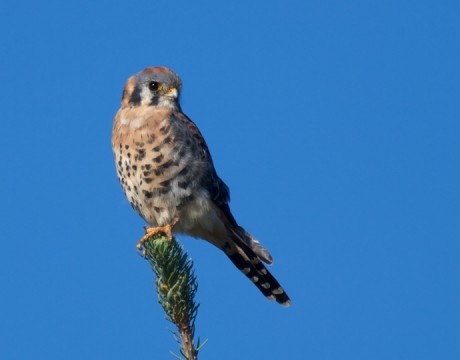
(176, 285)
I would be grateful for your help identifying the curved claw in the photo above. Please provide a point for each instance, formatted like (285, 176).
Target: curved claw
(149, 232)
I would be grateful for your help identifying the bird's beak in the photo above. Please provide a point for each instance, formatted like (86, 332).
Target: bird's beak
(172, 93)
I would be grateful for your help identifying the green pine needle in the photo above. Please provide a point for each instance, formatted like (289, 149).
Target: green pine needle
(176, 285)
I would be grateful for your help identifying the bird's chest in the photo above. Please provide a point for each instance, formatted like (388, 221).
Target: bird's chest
(156, 170)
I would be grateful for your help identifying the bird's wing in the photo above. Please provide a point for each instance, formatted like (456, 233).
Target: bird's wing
(218, 190)
(240, 246)
(220, 194)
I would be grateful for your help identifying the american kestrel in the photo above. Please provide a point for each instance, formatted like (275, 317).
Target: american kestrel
(168, 176)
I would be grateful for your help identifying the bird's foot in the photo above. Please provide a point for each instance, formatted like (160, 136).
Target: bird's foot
(149, 232)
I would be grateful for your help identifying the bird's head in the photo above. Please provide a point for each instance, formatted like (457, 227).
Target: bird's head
(153, 86)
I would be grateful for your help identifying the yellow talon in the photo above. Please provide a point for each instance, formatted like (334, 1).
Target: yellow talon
(149, 232)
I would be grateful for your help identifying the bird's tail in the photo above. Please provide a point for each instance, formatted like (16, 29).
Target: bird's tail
(247, 254)
(246, 260)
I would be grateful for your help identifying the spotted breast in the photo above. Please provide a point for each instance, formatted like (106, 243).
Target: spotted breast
(159, 164)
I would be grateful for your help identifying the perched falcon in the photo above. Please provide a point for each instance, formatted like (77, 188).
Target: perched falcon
(168, 176)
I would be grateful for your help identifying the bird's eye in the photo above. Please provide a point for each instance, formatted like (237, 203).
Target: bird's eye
(154, 86)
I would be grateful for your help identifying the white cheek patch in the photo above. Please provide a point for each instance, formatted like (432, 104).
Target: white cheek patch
(164, 100)
(168, 102)
(145, 96)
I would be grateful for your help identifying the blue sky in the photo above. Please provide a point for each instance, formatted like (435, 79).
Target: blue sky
(336, 126)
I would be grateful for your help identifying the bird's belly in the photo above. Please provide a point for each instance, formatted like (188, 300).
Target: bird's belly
(162, 170)
(161, 185)
(158, 201)
(190, 208)
(199, 219)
